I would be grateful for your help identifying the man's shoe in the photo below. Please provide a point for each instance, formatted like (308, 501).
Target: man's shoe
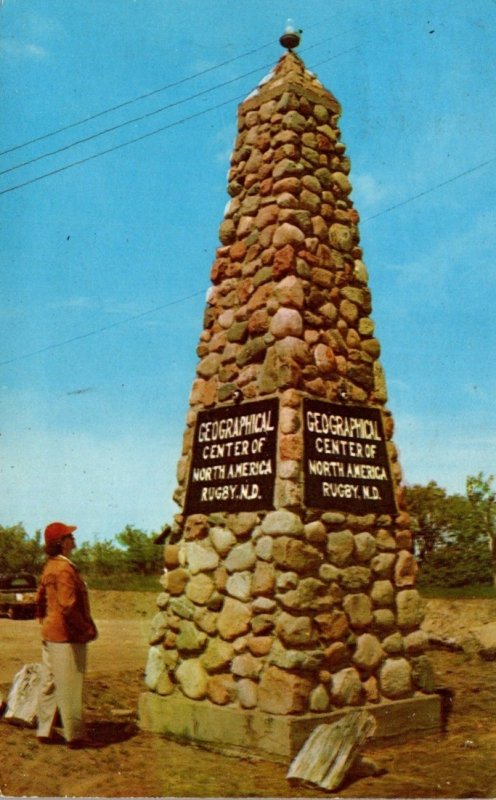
(54, 738)
(81, 744)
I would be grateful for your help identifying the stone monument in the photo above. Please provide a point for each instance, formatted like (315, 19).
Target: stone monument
(289, 576)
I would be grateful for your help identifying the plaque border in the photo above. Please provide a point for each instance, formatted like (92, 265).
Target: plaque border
(190, 504)
(351, 506)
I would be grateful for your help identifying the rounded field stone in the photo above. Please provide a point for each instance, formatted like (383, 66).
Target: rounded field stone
(279, 523)
(396, 678)
(193, 679)
(286, 322)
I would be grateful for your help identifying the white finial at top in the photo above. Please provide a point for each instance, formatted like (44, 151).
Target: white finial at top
(291, 36)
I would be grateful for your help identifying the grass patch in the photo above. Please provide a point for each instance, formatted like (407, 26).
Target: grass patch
(477, 592)
(127, 582)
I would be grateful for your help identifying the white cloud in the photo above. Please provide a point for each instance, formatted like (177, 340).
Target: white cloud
(74, 302)
(129, 309)
(102, 475)
(224, 143)
(399, 385)
(448, 257)
(368, 192)
(100, 484)
(106, 306)
(445, 450)
(15, 48)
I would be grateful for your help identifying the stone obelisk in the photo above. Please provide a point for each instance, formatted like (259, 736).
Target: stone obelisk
(289, 583)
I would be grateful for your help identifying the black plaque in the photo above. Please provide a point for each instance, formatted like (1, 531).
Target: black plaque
(346, 465)
(233, 465)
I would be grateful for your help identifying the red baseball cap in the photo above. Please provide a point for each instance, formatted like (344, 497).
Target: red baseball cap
(56, 531)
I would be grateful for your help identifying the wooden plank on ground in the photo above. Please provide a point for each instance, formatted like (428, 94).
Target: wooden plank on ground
(331, 750)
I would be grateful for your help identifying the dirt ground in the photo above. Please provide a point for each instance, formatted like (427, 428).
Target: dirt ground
(128, 762)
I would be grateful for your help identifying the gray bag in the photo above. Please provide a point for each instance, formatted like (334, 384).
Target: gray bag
(22, 702)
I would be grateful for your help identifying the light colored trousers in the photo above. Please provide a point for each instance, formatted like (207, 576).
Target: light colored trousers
(62, 688)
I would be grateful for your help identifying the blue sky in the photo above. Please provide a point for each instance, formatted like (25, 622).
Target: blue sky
(105, 265)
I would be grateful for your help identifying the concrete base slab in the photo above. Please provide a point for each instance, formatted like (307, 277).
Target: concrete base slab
(276, 738)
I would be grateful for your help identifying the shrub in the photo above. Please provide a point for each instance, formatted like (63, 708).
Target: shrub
(454, 565)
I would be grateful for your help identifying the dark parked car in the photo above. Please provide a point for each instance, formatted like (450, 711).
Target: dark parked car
(17, 595)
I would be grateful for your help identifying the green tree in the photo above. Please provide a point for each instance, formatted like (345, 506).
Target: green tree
(428, 507)
(450, 533)
(482, 497)
(141, 555)
(83, 557)
(100, 558)
(18, 552)
(454, 565)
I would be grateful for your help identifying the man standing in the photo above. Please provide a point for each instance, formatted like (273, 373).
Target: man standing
(64, 613)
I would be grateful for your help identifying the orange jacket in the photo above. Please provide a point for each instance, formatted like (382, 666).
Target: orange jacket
(62, 604)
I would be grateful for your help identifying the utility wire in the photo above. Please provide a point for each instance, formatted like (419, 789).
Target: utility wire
(431, 189)
(331, 58)
(164, 88)
(138, 138)
(118, 146)
(134, 119)
(105, 328)
(102, 329)
(131, 121)
(153, 113)
(134, 100)
(151, 133)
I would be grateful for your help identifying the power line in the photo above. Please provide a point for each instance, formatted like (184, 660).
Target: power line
(131, 121)
(152, 133)
(331, 58)
(138, 138)
(164, 88)
(118, 146)
(105, 328)
(431, 189)
(133, 100)
(149, 114)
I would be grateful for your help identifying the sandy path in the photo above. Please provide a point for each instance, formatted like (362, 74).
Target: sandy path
(121, 645)
(132, 763)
